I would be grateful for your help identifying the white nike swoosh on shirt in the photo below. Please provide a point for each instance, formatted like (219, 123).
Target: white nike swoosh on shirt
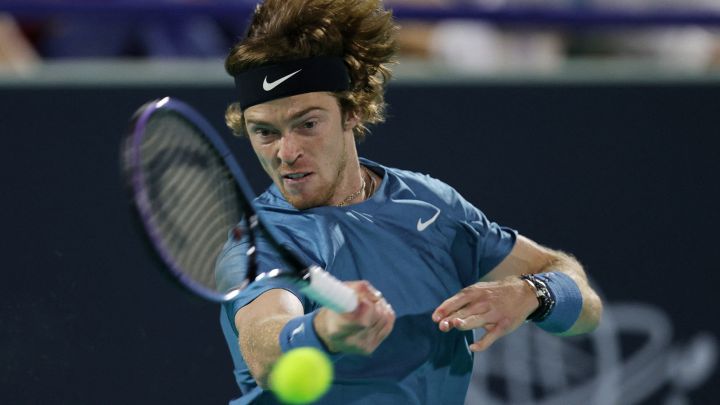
(269, 86)
(421, 226)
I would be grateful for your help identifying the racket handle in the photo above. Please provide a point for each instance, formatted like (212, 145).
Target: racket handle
(329, 292)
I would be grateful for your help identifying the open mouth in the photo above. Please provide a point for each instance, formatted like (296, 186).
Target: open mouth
(295, 177)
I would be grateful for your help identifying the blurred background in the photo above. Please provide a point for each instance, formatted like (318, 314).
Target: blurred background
(588, 125)
(471, 36)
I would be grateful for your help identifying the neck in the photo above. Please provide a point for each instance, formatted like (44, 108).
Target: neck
(359, 192)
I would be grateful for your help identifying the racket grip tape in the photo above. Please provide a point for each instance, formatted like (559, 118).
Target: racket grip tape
(329, 292)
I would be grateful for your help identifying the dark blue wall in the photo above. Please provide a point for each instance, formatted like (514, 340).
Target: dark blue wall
(623, 176)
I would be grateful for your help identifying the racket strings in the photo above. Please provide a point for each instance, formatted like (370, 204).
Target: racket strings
(193, 196)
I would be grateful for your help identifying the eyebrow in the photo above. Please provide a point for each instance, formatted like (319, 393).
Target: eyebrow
(292, 117)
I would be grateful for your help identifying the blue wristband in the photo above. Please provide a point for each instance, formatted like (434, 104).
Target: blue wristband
(300, 332)
(568, 302)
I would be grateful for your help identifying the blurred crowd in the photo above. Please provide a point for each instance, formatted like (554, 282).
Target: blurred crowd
(16, 51)
(463, 44)
(483, 46)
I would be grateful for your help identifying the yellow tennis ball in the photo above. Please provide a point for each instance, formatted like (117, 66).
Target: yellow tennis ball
(301, 376)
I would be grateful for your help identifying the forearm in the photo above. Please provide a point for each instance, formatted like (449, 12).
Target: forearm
(507, 296)
(260, 346)
(276, 312)
(528, 257)
(259, 325)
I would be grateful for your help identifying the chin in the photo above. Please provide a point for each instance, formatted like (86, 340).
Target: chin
(301, 202)
(309, 198)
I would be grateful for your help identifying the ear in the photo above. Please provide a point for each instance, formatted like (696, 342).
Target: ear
(350, 121)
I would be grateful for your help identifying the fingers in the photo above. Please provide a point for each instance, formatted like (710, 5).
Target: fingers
(370, 328)
(450, 306)
(385, 320)
(486, 305)
(469, 323)
(371, 296)
(365, 290)
(492, 334)
(468, 317)
(362, 330)
(454, 311)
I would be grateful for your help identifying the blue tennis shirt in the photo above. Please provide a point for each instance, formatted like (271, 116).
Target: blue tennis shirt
(418, 242)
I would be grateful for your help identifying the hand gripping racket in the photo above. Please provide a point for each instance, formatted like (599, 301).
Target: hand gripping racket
(190, 194)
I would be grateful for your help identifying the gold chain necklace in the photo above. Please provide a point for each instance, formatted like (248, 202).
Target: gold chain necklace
(353, 195)
(372, 183)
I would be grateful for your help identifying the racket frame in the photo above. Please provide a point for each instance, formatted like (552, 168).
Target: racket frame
(314, 281)
(136, 177)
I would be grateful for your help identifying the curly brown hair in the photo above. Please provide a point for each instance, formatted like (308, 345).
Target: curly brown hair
(360, 31)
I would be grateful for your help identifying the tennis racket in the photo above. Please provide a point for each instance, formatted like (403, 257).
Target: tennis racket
(191, 194)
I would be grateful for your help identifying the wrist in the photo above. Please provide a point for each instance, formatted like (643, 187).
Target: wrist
(544, 298)
(559, 298)
(300, 332)
(320, 324)
(529, 301)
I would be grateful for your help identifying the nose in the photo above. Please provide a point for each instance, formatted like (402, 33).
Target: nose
(289, 149)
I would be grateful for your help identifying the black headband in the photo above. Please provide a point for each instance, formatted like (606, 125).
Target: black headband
(284, 79)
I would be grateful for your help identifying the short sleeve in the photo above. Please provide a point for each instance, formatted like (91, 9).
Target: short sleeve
(490, 242)
(481, 241)
(231, 269)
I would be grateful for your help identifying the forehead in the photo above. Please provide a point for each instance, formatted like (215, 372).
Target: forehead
(289, 107)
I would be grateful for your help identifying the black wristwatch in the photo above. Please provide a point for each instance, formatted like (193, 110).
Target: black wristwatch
(544, 296)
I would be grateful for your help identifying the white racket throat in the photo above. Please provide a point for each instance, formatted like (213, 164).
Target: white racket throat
(329, 292)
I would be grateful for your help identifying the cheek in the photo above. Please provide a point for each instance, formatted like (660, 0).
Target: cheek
(265, 157)
(334, 149)
(327, 162)
(265, 165)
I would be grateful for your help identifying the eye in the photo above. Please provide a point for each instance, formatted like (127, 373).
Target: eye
(263, 133)
(310, 124)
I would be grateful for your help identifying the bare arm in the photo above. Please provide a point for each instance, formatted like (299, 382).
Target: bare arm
(528, 257)
(260, 323)
(501, 302)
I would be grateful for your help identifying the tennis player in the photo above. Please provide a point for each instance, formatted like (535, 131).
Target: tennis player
(310, 75)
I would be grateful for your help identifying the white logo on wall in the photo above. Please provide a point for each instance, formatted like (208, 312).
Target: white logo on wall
(628, 359)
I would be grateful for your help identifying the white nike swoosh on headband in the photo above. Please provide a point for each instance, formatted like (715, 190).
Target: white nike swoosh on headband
(269, 86)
